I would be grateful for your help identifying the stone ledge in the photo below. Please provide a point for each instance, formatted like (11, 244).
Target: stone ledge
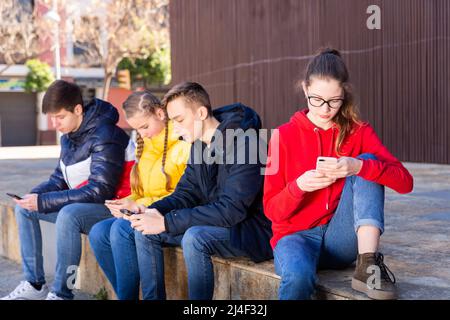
(235, 279)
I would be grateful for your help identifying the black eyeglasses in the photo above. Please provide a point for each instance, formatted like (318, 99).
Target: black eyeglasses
(318, 102)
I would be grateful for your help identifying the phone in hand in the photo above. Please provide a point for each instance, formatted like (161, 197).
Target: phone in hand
(327, 160)
(127, 212)
(15, 196)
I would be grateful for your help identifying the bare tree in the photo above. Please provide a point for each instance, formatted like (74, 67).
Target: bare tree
(105, 32)
(20, 29)
(88, 41)
(117, 29)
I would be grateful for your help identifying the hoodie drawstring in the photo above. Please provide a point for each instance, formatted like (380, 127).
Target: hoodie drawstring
(319, 147)
(319, 142)
(332, 140)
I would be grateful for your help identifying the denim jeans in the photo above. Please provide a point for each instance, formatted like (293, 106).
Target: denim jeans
(71, 221)
(112, 241)
(333, 246)
(199, 243)
(126, 256)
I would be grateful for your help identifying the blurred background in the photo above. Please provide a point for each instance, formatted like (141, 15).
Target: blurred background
(107, 47)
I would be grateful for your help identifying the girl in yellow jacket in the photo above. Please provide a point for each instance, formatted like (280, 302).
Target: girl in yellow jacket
(160, 162)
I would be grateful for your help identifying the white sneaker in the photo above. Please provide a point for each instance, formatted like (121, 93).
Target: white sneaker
(52, 296)
(25, 291)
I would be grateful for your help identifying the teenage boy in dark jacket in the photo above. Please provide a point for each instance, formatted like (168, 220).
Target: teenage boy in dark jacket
(89, 171)
(216, 208)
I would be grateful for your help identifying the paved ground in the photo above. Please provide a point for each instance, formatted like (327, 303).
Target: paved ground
(34, 152)
(21, 167)
(11, 275)
(417, 236)
(416, 242)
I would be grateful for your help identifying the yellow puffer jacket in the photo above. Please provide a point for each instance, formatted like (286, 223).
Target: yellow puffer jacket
(150, 174)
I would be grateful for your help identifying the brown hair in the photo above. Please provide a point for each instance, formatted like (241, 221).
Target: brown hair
(61, 95)
(328, 63)
(144, 101)
(191, 92)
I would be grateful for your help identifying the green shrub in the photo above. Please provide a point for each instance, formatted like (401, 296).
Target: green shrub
(39, 76)
(152, 70)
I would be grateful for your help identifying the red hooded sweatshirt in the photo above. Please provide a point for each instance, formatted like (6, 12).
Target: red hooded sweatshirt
(300, 143)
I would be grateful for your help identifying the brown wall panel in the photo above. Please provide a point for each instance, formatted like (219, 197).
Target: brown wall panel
(254, 51)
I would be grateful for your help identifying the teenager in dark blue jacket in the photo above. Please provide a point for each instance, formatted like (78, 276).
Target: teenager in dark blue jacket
(89, 171)
(216, 208)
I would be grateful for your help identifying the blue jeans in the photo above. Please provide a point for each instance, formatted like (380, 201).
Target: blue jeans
(199, 243)
(71, 221)
(117, 247)
(333, 246)
(112, 241)
(126, 256)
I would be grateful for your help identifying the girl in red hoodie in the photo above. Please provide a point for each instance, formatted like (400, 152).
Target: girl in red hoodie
(329, 214)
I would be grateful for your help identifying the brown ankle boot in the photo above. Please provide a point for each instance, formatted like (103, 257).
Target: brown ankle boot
(373, 277)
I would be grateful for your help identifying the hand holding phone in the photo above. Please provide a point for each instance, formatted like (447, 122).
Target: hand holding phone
(127, 212)
(116, 207)
(338, 168)
(313, 180)
(326, 161)
(15, 196)
(27, 201)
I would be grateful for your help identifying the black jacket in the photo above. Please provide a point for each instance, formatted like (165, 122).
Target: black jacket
(226, 195)
(90, 163)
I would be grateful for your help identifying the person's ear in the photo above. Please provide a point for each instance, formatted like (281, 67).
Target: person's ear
(161, 114)
(202, 113)
(305, 89)
(78, 110)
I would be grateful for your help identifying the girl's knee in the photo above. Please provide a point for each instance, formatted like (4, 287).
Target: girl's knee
(99, 234)
(121, 230)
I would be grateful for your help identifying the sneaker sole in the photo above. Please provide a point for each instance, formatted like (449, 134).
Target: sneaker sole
(24, 299)
(371, 293)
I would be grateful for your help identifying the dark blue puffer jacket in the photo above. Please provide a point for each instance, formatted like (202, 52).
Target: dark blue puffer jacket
(228, 194)
(90, 163)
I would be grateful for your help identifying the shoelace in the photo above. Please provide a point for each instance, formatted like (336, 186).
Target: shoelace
(386, 273)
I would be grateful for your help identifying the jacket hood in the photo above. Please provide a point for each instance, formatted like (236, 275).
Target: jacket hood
(236, 116)
(96, 113)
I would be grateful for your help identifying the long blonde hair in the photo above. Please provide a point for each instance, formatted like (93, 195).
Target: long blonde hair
(146, 102)
(328, 63)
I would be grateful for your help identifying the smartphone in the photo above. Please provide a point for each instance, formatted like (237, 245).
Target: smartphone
(325, 160)
(15, 196)
(127, 212)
